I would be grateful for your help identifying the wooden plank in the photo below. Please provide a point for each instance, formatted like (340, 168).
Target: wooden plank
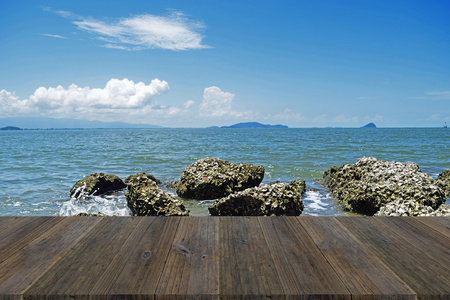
(26, 265)
(302, 268)
(441, 224)
(364, 275)
(7, 221)
(136, 269)
(16, 233)
(192, 267)
(246, 267)
(424, 275)
(429, 241)
(77, 272)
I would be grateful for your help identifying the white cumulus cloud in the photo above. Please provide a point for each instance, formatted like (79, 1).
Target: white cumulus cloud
(118, 97)
(217, 103)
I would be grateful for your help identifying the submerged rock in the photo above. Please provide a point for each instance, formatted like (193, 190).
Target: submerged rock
(96, 184)
(369, 184)
(145, 198)
(212, 178)
(276, 199)
(443, 180)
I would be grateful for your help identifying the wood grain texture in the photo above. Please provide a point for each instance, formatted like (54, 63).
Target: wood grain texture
(351, 258)
(27, 264)
(303, 268)
(78, 271)
(246, 267)
(15, 233)
(422, 273)
(192, 266)
(439, 224)
(364, 275)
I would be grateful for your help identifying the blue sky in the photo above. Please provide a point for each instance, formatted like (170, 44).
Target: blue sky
(204, 63)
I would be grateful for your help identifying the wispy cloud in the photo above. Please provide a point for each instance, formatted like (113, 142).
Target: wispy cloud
(440, 95)
(53, 35)
(172, 32)
(289, 115)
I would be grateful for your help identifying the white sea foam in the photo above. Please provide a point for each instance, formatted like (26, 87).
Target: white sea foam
(110, 205)
(313, 200)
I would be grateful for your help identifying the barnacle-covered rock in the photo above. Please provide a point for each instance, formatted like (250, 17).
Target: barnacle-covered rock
(141, 176)
(145, 198)
(412, 208)
(89, 215)
(96, 184)
(443, 180)
(367, 185)
(277, 199)
(213, 178)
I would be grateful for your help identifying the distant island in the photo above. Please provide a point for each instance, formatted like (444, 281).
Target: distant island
(251, 125)
(370, 125)
(10, 128)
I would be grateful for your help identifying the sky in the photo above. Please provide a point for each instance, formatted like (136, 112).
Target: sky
(203, 63)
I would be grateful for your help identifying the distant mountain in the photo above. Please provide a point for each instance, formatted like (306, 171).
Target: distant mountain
(252, 125)
(10, 128)
(370, 125)
(49, 123)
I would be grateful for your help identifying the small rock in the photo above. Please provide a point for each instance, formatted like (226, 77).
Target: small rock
(89, 215)
(145, 198)
(141, 176)
(276, 199)
(96, 184)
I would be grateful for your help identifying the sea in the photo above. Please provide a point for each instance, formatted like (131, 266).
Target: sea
(39, 167)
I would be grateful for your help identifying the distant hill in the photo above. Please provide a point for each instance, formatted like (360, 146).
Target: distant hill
(10, 128)
(252, 125)
(370, 125)
(49, 123)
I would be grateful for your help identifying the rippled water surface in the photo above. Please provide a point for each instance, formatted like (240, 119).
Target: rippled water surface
(38, 167)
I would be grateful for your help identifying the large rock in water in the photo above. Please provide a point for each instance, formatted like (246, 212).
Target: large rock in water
(277, 199)
(443, 180)
(367, 185)
(213, 178)
(96, 184)
(145, 198)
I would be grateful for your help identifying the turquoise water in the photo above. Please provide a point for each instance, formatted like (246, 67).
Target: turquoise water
(38, 167)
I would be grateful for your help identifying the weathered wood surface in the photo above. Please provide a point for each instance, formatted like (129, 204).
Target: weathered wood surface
(224, 258)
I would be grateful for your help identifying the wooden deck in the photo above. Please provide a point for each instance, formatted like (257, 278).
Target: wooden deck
(224, 258)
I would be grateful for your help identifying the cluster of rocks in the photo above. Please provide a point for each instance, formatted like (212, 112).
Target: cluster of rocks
(370, 187)
(236, 188)
(388, 188)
